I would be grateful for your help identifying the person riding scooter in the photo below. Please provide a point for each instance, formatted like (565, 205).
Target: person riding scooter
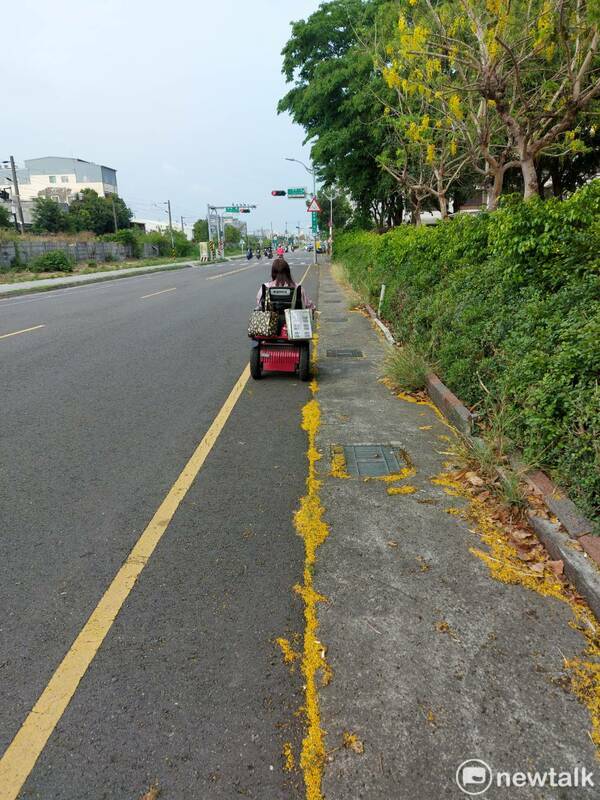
(249, 253)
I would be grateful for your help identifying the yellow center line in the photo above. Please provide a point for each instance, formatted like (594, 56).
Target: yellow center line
(162, 291)
(25, 330)
(24, 750)
(231, 272)
(305, 274)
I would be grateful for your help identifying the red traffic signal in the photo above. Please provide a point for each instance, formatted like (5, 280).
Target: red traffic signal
(278, 193)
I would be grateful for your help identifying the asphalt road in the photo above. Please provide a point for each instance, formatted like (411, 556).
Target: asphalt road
(100, 410)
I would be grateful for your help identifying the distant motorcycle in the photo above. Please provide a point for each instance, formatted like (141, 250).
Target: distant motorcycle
(258, 254)
(249, 254)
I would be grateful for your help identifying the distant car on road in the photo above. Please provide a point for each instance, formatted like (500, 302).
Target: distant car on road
(309, 248)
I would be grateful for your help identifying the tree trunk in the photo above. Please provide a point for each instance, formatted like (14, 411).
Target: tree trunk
(530, 178)
(556, 175)
(415, 212)
(495, 190)
(443, 204)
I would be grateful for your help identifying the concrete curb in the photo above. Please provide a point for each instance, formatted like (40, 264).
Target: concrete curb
(449, 404)
(581, 568)
(383, 328)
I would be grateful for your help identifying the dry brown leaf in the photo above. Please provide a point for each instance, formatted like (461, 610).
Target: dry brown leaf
(537, 568)
(524, 555)
(352, 742)
(152, 794)
(557, 567)
(474, 479)
(521, 536)
(392, 544)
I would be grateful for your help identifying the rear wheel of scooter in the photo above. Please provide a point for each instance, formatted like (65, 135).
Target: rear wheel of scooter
(255, 367)
(304, 365)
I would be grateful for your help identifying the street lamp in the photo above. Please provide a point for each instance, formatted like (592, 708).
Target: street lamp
(311, 171)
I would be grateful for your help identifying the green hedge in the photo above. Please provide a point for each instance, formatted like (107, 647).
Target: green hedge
(510, 300)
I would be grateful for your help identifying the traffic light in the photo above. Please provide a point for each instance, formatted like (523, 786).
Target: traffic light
(278, 193)
(244, 210)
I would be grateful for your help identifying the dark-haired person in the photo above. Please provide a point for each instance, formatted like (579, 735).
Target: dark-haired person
(281, 276)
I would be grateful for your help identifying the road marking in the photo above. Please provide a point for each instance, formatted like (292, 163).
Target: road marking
(24, 750)
(83, 287)
(162, 291)
(231, 272)
(305, 274)
(25, 330)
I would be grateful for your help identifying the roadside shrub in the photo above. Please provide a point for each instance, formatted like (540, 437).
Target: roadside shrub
(128, 237)
(407, 368)
(508, 301)
(92, 264)
(109, 258)
(53, 261)
(181, 246)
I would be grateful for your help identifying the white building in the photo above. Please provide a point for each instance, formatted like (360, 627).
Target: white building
(59, 178)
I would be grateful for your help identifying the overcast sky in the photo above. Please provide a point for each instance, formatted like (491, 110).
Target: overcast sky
(179, 97)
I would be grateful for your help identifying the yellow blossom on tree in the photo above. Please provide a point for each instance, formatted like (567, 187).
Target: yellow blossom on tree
(454, 104)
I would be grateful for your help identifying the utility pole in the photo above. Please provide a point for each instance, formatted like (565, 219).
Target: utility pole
(17, 195)
(168, 204)
(182, 228)
(114, 213)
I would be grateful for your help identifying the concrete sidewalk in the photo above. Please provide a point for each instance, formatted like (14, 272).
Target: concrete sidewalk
(434, 661)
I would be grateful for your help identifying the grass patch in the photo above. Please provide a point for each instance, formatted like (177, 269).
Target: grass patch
(341, 277)
(407, 368)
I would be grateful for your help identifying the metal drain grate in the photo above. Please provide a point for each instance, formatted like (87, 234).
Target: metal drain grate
(344, 352)
(372, 460)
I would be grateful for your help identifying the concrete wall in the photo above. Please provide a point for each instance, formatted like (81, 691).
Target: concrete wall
(80, 251)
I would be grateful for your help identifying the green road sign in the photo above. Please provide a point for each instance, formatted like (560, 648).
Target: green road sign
(315, 222)
(232, 210)
(297, 192)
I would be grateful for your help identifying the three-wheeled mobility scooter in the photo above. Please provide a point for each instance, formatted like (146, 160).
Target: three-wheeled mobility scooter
(288, 349)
